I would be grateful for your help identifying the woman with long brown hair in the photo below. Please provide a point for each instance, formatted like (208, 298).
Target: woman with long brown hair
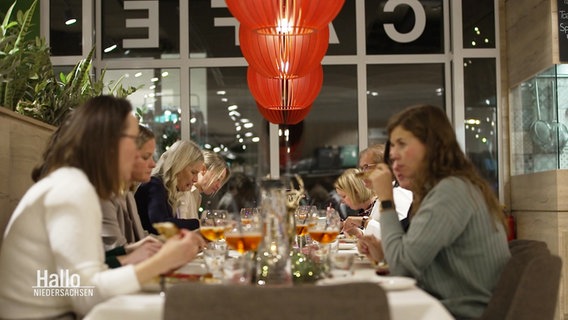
(456, 245)
(55, 231)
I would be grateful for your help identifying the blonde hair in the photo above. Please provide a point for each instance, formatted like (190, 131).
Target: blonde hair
(181, 154)
(217, 166)
(353, 186)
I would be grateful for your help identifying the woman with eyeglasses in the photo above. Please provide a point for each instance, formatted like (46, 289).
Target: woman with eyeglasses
(369, 224)
(53, 239)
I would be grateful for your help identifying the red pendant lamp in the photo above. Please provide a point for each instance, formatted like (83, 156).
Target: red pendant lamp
(270, 13)
(279, 115)
(294, 93)
(286, 54)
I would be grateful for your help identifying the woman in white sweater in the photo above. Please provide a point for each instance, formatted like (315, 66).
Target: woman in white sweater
(52, 258)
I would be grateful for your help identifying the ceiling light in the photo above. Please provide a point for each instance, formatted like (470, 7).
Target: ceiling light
(109, 49)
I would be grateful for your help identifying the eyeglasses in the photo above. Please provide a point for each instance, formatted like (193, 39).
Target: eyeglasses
(131, 136)
(367, 166)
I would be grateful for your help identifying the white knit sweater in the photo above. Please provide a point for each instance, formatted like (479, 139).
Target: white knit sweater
(57, 227)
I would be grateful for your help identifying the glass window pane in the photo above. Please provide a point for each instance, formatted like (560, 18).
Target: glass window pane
(342, 32)
(158, 38)
(326, 142)
(65, 27)
(208, 24)
(157, 102)
(481, 116)
(392, 88)
(478, 23)
(413, 28)
(224, 118)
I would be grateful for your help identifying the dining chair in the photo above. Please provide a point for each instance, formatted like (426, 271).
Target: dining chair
(196, 301)
(528, 286)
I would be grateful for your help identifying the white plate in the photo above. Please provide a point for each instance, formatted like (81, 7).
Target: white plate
(397, 283)
(388, 283)
(346, 246)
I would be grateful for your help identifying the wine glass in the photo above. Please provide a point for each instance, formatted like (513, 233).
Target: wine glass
(213, 224)
(243, 236)
(301, 219)
(323, 227)
(248, 214)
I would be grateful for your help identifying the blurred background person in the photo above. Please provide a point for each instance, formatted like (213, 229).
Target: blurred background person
(368, 160)
(241, 193)
(158, 200)
(356, 196)
(123, 235)
(210, 180)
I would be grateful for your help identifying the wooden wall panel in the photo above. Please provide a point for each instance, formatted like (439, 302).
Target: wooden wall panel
(22, 141)
(530, 38)
(541, 191)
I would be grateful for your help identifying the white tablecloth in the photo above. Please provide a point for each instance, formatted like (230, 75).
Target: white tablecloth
(412, 303)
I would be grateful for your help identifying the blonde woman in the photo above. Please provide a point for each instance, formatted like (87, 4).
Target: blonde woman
(356, 196)
(213, 176)
(176, 172)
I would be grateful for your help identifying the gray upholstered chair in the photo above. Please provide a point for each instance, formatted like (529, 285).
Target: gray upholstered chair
(196, 301)
(528, 286)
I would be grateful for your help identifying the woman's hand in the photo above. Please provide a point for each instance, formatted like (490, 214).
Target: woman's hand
(176, 251)
(351, 226)
(381, 180)
(371, 247)
(141, 252)
(147, 240)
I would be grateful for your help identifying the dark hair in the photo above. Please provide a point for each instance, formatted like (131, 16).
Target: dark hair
(443, 158)
(88, 140)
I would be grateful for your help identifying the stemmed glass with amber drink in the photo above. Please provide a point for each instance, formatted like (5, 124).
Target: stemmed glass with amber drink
(324, 226)
(213, 224)
(302, 217)
(248, 214)
(243, 236)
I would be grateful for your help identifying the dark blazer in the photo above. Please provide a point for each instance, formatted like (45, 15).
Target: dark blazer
(152, 202)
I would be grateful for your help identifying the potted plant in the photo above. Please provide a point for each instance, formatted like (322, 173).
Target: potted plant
(30, 89)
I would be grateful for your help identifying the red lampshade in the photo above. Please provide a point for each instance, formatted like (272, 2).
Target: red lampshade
(284, 55)
(293, 93)
(299, 13)
(279, 115)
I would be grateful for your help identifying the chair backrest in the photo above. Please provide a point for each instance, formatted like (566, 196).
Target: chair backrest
(528, 286)
(197, 301)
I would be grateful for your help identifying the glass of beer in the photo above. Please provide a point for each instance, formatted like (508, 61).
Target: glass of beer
(301, 220)
(213, 224)
(324, 226)
(243, 236)
(248, 214)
